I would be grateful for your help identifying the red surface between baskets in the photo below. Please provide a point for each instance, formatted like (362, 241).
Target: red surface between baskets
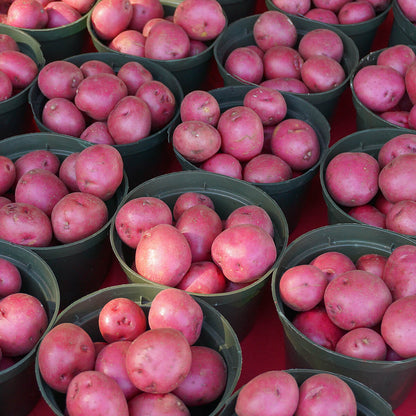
(263, 348)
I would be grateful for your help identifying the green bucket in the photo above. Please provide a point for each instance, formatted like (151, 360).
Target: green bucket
(403, 31)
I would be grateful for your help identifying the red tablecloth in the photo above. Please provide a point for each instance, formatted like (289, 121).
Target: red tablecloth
(263, 347)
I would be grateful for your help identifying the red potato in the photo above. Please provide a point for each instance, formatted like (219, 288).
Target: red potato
(139, 215)
(352, 178)
(149, 25)
(399, 57)
(174, 255)
(379, 5)
(362, 343)
(200, 105)
(77, 216)
(206, 379)
(4, 201)
(399, 118)
(293, 7)
(23, 321)
(174, 308)
(382, 204)
(322, 15)
(356, 12)
(19, 67)
(302, 287)
(93, 392)
(408, 8)
(335, 396)
(10, 278)
(130, 120)
(398, 145)
(333, 263)
(282, 62)
(259, 395)
(267, 168)
(41, 158)
(167, 404)
(372, 263)
(411, 118)
(286, 84)
(224, 164)
(83, 6)
(401, 218)
(244, 252)
(333, 5)
(99, 170)
(250, 214)
(398, 326)
(27, 14)
(7, 42)
(196, 47)
(196, 140)
(356, 287)
(143, 11)
(65, 351)
(67, 172)
(130, 42)
(189, 199)
(134, 74)
(368, 214)
(97, 133)
(25, 224)
(94, 67)
(245, 64)
(6, 87)
(158, 360)
(61, 14)
(8, 174)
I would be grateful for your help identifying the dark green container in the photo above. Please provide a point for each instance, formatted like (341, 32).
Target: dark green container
(369, 403)
(240, 33)
(393, 380)
(237, 9)
(403, 31)
(15, 110)
(290, 194)
(216, 333)
(19, 392)
(191, 72)
(363, 33)
(149, 156)
(238, 307)
(80, 267)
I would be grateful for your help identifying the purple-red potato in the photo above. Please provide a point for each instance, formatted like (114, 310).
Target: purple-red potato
(98, 94)
(196, 140)
(160, 100)
(356, 12)
(189, 199)
(379, 87)
(59, 79)
(110, 17)
(206, 379)
(268, 103)
(196, 47)
(372, 263)
(296, 142)
(129, 41)
(121, 319)
(97, 133)
(27, 14)
(293, 6)
(411, 118)
(134, 74)
(267, 168)
(392, 355)
(111, 361)
(245, 64)
(41, 158)
(244, 252)
(143, 11)
(25, 224)
(321, 42)
(94, 393)
(379, 5)
(98, 346)
(362, 343)
(401, 218)
(19, 67)
(302, 287)
(158, 360)
(408, 8)
(65, 351)
(398, 145)
(6, 87)
(139, 215)
(224, 164)
(174, 308)
(163, 255)
(400, 273)
(333, 5)
(321, 73)
(83, 6)
(130, 120)
(322, 15)
(60, 14)
(167, 41)
(232, 286)
(78, 215)
(258, 396)
(399, 57)
(149, 25)
(99, 170)
(397, 179)
(282, 62)
(250, 214)
(200, 225)
(200, 105)
(368, 214)
(382, 204)
(94, 67)
(23, 321)
(356, 287)
(325, 393)
(352, 178)
(316, 325)
(10, 278)
(8, 174)
(203, 277)
(67, 172)
(202, 19)
(398, 326)
(399, 118)
(4, 201)
(333, 263)
(167, 404)
(274, 28)
(7, 42)
(40, 188)
(241, 131)
(286, 84)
